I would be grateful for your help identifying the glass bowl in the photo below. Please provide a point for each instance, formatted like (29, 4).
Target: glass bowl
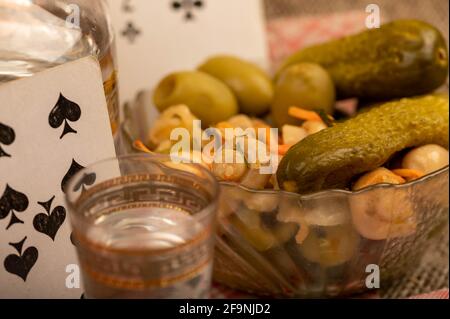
(327, 244)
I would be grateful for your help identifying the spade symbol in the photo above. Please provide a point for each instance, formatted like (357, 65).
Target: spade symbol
(49, 223)
(74, 168)
(7, 137)
(20, 265)
(12, 201)
(86, 180)
(63, 112)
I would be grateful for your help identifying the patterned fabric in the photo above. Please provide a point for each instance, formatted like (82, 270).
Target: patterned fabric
(440, 294)
(221, 292)
(287, 35)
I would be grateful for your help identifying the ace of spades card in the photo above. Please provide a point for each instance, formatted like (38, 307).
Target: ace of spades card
(155, 38)
(51, 126)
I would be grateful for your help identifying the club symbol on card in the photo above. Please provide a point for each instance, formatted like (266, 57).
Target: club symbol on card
(131, 32)
(7, 137)
(20, 265)
(50, 222)
(127, 6)
(188, 6)
(64, 111)
(88, 179)
(12, 201)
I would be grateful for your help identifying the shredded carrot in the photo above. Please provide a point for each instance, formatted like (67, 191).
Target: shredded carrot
(303, 114)
(283, 149)
(408, 174)
(141, 147)
(223, 125)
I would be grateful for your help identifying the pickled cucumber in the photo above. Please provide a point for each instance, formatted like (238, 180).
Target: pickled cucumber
(400, 59)
(330, 158)
(251, 85)
(208, 98)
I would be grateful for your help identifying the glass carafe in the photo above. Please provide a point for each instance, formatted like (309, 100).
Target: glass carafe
(39, 34)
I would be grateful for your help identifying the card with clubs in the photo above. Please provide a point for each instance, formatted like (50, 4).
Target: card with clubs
(52, 125)
(155, 38)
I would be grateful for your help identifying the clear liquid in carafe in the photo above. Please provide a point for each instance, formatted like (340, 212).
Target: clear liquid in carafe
(33, 39)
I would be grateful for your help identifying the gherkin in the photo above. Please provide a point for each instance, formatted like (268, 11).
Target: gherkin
(331, 158)
(400, 59)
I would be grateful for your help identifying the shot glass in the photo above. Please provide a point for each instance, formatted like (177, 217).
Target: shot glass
(143, 227)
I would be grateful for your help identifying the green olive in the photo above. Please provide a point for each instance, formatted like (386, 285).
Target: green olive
(251, 85)
(305, 85)
(208, 99)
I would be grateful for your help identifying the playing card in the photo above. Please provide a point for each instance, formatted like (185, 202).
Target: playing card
(51, 126)
(157, 37)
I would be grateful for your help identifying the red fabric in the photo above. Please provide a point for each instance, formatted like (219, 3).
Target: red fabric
(221, 292)
(440, 294)
(287, 35)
